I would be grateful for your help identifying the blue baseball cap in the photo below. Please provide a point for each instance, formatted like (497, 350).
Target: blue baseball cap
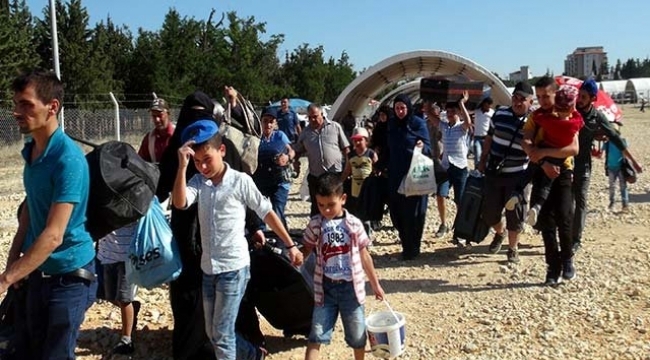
(590, 86)
(200, 131)
(270, 111)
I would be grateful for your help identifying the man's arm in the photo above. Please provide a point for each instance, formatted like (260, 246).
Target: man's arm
(143, 151)
(487, 146)
(50, 239)
(467, 120)
(559, 153)
(617, 140)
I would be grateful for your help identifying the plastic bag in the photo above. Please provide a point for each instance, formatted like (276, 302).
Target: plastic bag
(154, 258)
(420, 179)
(304, 189)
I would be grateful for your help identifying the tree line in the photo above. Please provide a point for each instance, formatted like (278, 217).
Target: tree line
(184, 55)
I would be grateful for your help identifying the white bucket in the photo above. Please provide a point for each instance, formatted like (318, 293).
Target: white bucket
(386, 333)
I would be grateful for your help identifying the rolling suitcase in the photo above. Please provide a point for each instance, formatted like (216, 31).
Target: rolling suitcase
(279, 291)
(469, 224)
(442, 90)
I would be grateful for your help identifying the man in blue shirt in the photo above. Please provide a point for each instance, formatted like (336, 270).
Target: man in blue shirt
(51, 247)
(288, 121)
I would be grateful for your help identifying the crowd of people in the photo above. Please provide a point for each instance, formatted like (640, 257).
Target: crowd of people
(218, 211)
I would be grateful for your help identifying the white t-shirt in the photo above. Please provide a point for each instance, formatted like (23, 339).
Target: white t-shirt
(482, 122)
(336, 250)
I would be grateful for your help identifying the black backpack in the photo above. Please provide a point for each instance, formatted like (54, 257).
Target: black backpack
(122, 186)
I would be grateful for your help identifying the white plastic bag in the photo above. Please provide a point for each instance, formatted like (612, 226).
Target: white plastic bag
(304, 189)
(420, 179)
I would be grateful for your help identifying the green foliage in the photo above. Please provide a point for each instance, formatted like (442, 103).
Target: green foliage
(184, 55)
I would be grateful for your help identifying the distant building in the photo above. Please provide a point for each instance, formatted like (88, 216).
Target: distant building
(523, 74)
(587, 61)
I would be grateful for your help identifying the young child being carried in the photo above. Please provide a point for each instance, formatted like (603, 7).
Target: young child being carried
(556, 129)
(359, 165)
(342, 257)
(222, 194)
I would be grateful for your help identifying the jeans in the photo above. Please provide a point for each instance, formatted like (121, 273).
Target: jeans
(339, 298)
(477, 145)
(56, 307)
(556, 216)
(457, 179)
(580, 191)
(222, 295)
(278, 194)
(613, 177)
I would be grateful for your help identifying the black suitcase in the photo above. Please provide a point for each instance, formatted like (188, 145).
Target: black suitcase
(469, 224)
(279, 291)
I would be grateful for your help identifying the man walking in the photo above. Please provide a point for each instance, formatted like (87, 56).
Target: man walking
(288, 121)
(503, 161)
(326, 147)
(51, 247)
(154, 143)
(596, 124)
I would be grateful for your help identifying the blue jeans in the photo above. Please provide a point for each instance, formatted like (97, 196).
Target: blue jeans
(477, 145)
(222, 295)
(457, 179)
(339, 298)
(614, 176)
(278, 194)
(56, 307)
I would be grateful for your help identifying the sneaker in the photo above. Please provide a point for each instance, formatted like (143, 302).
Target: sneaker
(442, 230)
(531, 216)
(568, 270)
(513, 256)
(460, 243)
(512, 202)
(625, 209)
(576, 247)
(495, 245)
(552, 277)
(124, 348)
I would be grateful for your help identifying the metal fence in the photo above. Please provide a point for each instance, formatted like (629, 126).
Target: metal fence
(92, 125)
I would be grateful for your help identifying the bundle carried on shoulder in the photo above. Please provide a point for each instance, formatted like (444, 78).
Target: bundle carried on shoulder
(245, 135)
(122, 186)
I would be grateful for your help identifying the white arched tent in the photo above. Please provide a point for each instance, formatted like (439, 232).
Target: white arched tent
(412, 89)
(639, 86)
(613, 87)
(411, 65)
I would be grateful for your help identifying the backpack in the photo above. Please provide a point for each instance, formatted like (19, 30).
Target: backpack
(122, 186)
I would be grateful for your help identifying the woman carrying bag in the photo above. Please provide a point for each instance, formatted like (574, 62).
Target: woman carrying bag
(405, 132)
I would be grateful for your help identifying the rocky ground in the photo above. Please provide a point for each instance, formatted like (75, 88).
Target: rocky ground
(459, 304)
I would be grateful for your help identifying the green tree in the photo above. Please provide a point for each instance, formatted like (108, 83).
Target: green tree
(16, 47)
(307, 72)
(340, 73)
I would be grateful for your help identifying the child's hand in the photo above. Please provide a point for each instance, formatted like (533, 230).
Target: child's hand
(379, 292)
(184, 154)
(295, 256)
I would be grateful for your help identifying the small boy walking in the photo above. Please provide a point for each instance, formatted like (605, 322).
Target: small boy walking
(112, 253)
(223, 194)
(342, 258)
(613, 166)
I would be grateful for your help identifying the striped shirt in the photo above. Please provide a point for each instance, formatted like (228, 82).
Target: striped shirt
(114, 247)
(358, 240)
(454, 144)
(506, 125)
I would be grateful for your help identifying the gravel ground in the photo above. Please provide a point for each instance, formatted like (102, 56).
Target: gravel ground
(459, 304)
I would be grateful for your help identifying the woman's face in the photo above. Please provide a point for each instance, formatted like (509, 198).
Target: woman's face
(383, 117)
(400, 110)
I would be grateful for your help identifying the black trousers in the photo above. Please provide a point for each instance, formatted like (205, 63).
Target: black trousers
(408, 215)
(556, 219)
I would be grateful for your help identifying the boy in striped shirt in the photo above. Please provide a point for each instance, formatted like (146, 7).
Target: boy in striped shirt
(342, 257)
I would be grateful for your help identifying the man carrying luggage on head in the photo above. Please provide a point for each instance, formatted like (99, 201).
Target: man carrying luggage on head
(504, 162)
(52, 247)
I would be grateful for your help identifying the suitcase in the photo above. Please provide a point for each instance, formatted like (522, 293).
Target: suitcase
(279, 291)
(469, 224)
(442, 90)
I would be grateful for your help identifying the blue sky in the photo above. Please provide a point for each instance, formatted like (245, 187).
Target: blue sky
(500, 35)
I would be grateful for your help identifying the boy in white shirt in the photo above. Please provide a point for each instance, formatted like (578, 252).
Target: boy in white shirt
(223, 194)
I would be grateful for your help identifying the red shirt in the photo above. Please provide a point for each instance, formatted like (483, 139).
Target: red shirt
(160, 141)
(558, 133)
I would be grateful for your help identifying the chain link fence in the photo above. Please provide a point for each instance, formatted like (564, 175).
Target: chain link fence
(96, 126)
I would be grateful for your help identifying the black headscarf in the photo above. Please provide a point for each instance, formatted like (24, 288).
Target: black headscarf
(409, 106)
